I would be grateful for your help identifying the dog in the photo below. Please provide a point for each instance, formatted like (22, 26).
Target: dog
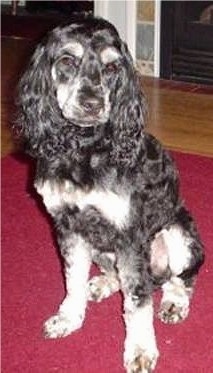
(110, 187)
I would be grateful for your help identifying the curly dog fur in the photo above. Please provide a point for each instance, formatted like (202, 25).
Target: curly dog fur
(110, 187)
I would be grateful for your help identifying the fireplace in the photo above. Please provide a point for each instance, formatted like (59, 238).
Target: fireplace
(187, 41)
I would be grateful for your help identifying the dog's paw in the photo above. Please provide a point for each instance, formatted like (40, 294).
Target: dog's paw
(171, 313)
(101, 287)
(60, 325)
(141, 362)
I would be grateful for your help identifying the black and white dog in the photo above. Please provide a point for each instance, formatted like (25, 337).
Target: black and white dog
(111, 189)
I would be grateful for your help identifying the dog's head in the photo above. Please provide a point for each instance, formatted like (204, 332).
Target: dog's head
(85, 71)
(82, 75)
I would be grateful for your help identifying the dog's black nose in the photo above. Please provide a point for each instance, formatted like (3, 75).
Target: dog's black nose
(92, 106)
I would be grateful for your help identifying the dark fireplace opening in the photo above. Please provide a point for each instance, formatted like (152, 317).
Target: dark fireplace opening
(187, 41)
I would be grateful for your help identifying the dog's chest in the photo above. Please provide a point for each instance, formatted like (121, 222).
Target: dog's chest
(113, 206)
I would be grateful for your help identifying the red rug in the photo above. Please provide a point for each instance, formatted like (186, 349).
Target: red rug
(32, 287)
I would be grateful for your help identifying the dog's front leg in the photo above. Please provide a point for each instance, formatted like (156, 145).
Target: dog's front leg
(140, 353)
(71, 313)
(140, 350)
(76, 253)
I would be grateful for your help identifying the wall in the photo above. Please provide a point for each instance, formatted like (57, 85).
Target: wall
(122, 13)
(145, 36)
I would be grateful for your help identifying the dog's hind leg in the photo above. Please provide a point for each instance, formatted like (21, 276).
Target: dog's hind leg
(185, 257)
(107, 283)
(175, 301)
(102, 286)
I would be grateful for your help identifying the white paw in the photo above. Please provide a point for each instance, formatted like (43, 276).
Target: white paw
(175, 301)
(140, 361)
(173, 313)
(101, 287)
(60, 325)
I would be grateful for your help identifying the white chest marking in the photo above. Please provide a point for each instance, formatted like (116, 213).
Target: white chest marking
(113, 207)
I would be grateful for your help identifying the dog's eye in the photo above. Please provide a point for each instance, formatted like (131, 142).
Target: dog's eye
(111, 67)
(69, 61)
(65, 66)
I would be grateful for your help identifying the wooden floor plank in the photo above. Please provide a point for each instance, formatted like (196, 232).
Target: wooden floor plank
(182, 120)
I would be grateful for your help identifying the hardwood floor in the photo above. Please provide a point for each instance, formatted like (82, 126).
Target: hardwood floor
(180, 115)
(181, 120)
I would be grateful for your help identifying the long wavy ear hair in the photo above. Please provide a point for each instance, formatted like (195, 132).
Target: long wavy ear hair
(129, 114)
(35, 102)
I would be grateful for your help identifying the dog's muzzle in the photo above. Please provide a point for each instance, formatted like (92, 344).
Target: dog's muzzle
(92, 106)
(86, 108)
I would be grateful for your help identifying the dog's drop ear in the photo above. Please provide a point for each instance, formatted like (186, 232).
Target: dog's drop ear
(134, 108)
(126, 52)
(129, 114)
(32, 101)
(33, 81)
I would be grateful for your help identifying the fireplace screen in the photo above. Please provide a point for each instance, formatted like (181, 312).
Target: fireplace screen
(187, 41)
